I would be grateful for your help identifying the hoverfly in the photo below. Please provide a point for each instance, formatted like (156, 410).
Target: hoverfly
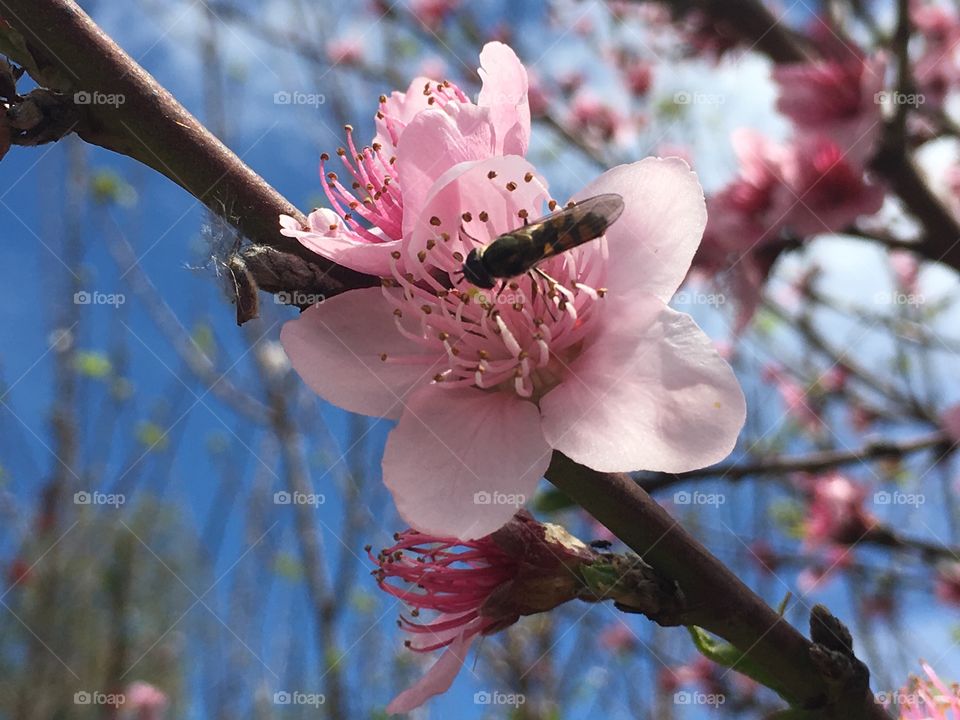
(520, 251)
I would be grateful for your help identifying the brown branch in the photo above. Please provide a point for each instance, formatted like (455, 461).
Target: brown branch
(812, 462)
(70, 54)
(717, 600)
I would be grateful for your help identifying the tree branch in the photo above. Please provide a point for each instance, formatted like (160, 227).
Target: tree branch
(67, 52)
(716, 599)
(811, 462)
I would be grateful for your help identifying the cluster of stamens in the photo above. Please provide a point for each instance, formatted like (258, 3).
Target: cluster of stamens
(520, 334)
(373, 195)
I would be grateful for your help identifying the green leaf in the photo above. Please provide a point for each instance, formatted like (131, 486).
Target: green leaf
(723, 653)
(551, 501)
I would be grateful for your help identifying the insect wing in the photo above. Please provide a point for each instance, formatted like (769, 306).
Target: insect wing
(585, 221)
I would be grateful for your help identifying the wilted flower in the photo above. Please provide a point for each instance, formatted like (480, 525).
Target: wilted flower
(592, 363)
(476, 588)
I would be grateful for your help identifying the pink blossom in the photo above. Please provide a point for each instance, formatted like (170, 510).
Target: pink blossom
(827, 188)
(538, 95)
(485, 385)
(835, 98)
(345, 51)
(700, 671)
(369, 213)
(835, 513)
(144, 701)
(639, 77)
(475, 588)
(813, 577)
(947, 583)
(745, 221)
(618, 637)
(799, 406)
(926, 698)
(937, 68)
(906, 270)
(432, 13)
(595, 117)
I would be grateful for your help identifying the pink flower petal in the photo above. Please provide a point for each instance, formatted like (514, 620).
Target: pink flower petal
(399, 109)
(435, 141)
(336, 348)
(653, 242)
(650, 392)
(339, 244)
(468, 188)
(454, 450)
(437, 679)
(504, 91)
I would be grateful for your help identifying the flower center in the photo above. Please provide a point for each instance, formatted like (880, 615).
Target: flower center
(522, 334)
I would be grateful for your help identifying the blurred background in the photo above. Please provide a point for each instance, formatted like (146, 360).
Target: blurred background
(150, 449)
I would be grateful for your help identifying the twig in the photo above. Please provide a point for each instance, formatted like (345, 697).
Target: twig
(812, 462)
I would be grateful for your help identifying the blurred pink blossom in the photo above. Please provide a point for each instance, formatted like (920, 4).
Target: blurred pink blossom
(950, 420)
(618, 637)
(432, 13)
(947, 583)
(836, 513)
(144, 702)
(345, 51)
(836, 99)
(595, 117)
